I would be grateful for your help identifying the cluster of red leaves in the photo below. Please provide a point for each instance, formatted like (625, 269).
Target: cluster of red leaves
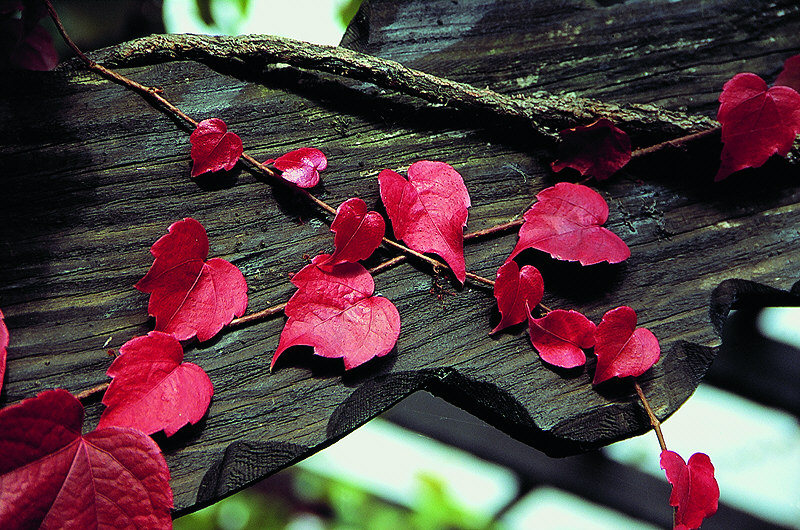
(25, 43)
(757, 122)
(52, 476)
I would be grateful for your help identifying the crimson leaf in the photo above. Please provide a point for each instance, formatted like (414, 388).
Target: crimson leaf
(790, 75)
(757, 122)
(51, 476)
(191, 296)
(566, 223)
(695, 492)
(358, 232)
(213, 147)
(429, 210)
(597, 150)
(301, 166)
(561, 336)
(516, 290)
(623, 350)
(153, 389)
(3, 348)
(334, 311)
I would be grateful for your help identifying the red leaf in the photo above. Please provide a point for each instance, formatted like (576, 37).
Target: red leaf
(695, 492)
(152, 389)
(301, 166)
(623, 350)
(757, 122)
(213, 147)
(429, 210)
(358, 232)
(33, 50)
(597, 150)
(335, 312)
(565, 222)
(790, 75)
(3, 348)
(191, 296)
(561, 336)
(53, 477)
(515, 291)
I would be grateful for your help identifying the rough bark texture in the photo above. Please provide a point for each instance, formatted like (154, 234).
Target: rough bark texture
(92, 176)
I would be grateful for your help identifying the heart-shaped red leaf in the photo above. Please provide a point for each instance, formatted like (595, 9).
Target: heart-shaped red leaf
(191, 296)
(213, 147)
(153, 389)
(3, 348)
(790, 75)
(561, 336)
(623, 350)
(429, 210)
(597, 150)
(33, 47)
(51, 476)
(695, 492)
(335, 312)
(757, 122)
(566, 223)
(358, 232)
(516, 290)
(301, 166)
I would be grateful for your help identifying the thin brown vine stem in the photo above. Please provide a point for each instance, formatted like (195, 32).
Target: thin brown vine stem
(674, 143)
(90, 392)
(650, 414)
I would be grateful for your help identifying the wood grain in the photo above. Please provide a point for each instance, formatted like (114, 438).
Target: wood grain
(92, 176)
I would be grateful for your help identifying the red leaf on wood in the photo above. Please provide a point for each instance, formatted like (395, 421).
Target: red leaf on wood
(51, 476)
(566, 223)
(429, 210)
(213, 147)
(358, 232)
(790, 75)
(3, 348)
(191, 296)
(597, 150)
(301, 166)
(516, 290)
(153, 389)
(561, 336)
(757, 122)
(31, 48)
(623, 350)
(695, 492)
(335, 312)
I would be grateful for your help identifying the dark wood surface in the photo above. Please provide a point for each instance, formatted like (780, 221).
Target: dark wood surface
(92, 175)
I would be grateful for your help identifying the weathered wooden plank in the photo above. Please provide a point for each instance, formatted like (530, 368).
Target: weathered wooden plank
(92, 175)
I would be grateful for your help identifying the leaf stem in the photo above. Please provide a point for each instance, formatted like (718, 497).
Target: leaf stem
(650, 414)
(90, 392)
(674, 143)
